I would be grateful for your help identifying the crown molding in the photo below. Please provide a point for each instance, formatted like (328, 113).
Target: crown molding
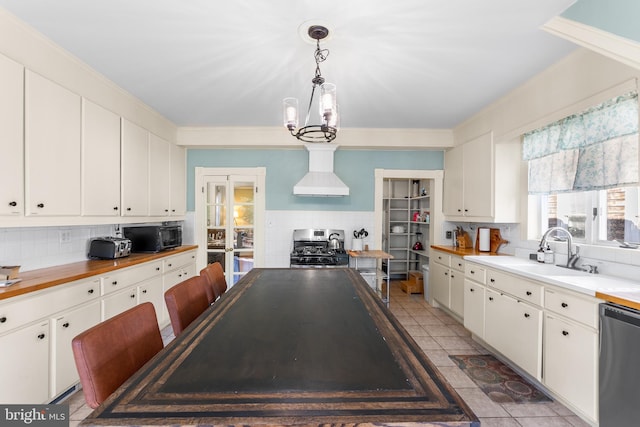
(619, 48)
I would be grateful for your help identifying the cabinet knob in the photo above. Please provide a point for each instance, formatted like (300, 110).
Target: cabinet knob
(170, 265)
(115, 208)
(492, 280)
(41, 336)
(90, 291)
(446, 273)
(115, 282)
(490, 298)
(40, 205)
(459, 210)
(472, 290)
(133, 296)
(528, 293)
(3, 319)
(166, 210)
(466, 210)
(565, 333)
(564, 305)
(157, 268)
(144, 291)
(13, 204)
(452, 276)
(472, 272)
(459, 264)
(527, 315)
(128, 209)
(65, 325)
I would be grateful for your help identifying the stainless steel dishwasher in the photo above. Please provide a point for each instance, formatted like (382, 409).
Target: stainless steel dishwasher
(619, 366)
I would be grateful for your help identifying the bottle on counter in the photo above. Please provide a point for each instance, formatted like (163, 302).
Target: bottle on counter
(549, 256)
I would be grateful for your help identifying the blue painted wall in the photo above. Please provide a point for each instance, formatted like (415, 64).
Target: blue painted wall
(286, 167)
(618, 17)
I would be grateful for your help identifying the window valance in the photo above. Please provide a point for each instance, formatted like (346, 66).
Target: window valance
(595, 149)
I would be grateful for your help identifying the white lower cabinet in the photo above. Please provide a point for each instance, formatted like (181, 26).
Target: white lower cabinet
(514, 328)
(151, 291)
(446, 280)
(571, 362)
(118, 302)
(63, 329)
(24, 364)
(474, 295)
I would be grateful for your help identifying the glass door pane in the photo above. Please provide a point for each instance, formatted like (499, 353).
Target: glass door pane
(243, 224)
(217, 223)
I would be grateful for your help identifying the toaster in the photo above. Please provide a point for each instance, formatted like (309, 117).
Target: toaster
(109, 247)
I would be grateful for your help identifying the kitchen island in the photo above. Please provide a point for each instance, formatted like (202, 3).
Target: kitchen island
(289, 347)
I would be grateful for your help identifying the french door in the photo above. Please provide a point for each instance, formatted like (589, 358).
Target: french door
(230, 209)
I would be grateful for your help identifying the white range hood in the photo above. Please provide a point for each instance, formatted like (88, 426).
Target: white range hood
(320, 181)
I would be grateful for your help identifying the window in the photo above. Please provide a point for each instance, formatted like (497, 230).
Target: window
(597, 217)
(583, 173)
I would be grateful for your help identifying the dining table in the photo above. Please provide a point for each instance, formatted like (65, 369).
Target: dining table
(289, 347)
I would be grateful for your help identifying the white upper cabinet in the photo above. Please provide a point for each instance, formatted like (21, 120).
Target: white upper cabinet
(135, 170)
(52, 148)
(481, 181)
(11, 135)
(178, 181)
(100, 161)
(159, 176)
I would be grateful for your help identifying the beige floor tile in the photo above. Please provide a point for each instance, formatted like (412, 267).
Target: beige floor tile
(427, 343)
(455, 343)
(480, 403)
(499, 422)
(439, 358)
(416, 331)
(529, 409)
(576, 421)
(440, 331)
(544, 422)
(456, 377)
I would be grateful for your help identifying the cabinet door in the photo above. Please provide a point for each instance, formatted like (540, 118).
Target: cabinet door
(159, 176)
(178, 181)
(439, 283)
(11, 135)
(477, 166)
(119, 302)
(100, 161)
(571, 362)
(135, 170)
(151, 291)
(453, 204)
(52, 148)
(474, 295)
(64, 328)
(514, 328)
(456, 292)
(24, 365)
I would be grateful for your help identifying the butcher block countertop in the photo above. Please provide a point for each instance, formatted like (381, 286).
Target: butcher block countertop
(629, 299)
(44, 278)
(456, 250)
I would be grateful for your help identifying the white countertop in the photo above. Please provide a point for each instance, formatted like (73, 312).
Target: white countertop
(575, 280)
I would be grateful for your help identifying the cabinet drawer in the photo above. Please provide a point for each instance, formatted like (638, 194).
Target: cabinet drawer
(581, 309)
(121, 279)
(520, 288)
(177, 261)
(475, 273)
(457, 263)
(119, 302)
(442, 258)
(23, 310)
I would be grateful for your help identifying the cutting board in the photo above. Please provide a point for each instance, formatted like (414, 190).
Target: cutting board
(495, 240)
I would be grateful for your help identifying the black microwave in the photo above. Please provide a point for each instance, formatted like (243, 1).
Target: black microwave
(153, 238)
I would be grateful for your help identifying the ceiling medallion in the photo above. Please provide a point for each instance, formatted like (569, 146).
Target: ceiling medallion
(328, 128)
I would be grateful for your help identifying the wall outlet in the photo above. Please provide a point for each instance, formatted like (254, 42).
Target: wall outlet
(448, 234)
(65, 236)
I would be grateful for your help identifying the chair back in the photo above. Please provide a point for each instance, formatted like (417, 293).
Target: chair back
(186, 301)
(214, 277)
(107, 354)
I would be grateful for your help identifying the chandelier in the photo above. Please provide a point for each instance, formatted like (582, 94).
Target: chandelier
(326, 131)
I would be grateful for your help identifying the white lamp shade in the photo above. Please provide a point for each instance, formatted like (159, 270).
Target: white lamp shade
(290, 112)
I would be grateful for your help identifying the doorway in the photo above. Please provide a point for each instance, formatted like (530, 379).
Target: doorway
(230, 206)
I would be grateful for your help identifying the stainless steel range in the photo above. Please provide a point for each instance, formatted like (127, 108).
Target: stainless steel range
(318, 248)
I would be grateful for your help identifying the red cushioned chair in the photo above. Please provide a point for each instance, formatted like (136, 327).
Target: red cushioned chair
(214, 278)
(107, 354)
(186, 301)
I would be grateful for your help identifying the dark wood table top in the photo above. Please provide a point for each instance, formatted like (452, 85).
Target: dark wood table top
(289, 347)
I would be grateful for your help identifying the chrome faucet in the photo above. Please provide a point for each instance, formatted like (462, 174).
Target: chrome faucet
(572, 257)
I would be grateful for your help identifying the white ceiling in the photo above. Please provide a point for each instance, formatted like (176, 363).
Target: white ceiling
(397, 64)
